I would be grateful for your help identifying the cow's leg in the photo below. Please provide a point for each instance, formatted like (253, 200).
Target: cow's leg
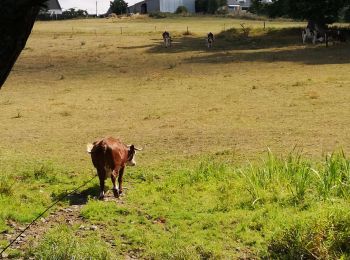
(102, 176)
(113, 178)
(120, 180)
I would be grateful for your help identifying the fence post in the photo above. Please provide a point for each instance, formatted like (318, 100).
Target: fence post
(264, 25)
(187, 30)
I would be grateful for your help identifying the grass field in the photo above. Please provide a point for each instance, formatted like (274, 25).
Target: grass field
(205, 119)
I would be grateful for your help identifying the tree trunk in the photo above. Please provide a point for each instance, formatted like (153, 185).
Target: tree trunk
(16, 23)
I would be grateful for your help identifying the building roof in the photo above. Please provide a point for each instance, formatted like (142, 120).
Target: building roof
(53, 4)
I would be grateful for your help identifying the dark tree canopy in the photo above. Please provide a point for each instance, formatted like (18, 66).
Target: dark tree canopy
(16, 22)
(322, 12)
(118, 7)
(209, 6)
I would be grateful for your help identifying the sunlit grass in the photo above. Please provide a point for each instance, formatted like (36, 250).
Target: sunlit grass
(204, 118)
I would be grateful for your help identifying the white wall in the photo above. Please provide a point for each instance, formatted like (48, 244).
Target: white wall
(170, 6)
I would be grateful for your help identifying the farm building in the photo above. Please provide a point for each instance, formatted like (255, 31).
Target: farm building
(238, 5)
(165, 6)
(53, 7)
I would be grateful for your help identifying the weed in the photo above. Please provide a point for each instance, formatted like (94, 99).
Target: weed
(172, 66)
(19, 115)
(65, 113)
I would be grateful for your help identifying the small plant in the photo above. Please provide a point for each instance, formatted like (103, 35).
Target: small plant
(82, 43)
(65, 113)
(171, 66)
(158, 15)
(245, 30)
(19, 115)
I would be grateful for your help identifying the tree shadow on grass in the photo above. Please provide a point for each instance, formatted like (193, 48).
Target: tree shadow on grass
(309, 56)
(272, 45)
(233, 39)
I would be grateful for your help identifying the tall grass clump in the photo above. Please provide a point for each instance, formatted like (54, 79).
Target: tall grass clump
(333, 176)
(319, 237)
(299, 178)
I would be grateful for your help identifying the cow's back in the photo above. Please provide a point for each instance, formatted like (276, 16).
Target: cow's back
(109, 152)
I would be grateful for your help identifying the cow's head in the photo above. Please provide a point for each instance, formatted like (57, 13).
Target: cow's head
(131, 155)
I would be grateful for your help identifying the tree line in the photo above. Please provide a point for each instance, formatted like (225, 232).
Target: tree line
(321, 12)
(209, 6)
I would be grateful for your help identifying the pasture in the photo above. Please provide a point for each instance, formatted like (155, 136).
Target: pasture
(205, 119)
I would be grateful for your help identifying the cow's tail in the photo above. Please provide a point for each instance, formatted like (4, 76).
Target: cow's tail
(89, 148)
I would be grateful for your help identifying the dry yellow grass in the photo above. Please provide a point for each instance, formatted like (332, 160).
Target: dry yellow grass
(80, 80)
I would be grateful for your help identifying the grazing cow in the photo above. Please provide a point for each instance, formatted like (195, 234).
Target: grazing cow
(166, 39)
(110, 156)
(335, 36)
(309, 34)
(210, 39)
(314, 35)
(313, 32)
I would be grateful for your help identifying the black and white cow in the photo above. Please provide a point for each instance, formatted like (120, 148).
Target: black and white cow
(314, 33)
(166, 39)
(210, 39)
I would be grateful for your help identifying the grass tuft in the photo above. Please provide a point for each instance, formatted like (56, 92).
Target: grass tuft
(62, 243)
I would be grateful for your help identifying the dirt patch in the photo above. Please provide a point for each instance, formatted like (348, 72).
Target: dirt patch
(64, 215)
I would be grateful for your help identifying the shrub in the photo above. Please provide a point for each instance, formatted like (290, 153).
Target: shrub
(158, 15)
(181, 10)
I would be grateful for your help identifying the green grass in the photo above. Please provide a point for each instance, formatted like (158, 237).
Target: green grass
(63, 243)
(28, 185)
(213, 208)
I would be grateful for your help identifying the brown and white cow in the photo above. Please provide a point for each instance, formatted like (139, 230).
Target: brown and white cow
(110, 156)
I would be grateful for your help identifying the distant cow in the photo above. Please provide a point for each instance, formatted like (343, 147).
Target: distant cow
(210, 39)
(309, 34)
(110, 156)
(313, 32)
(166, 39)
